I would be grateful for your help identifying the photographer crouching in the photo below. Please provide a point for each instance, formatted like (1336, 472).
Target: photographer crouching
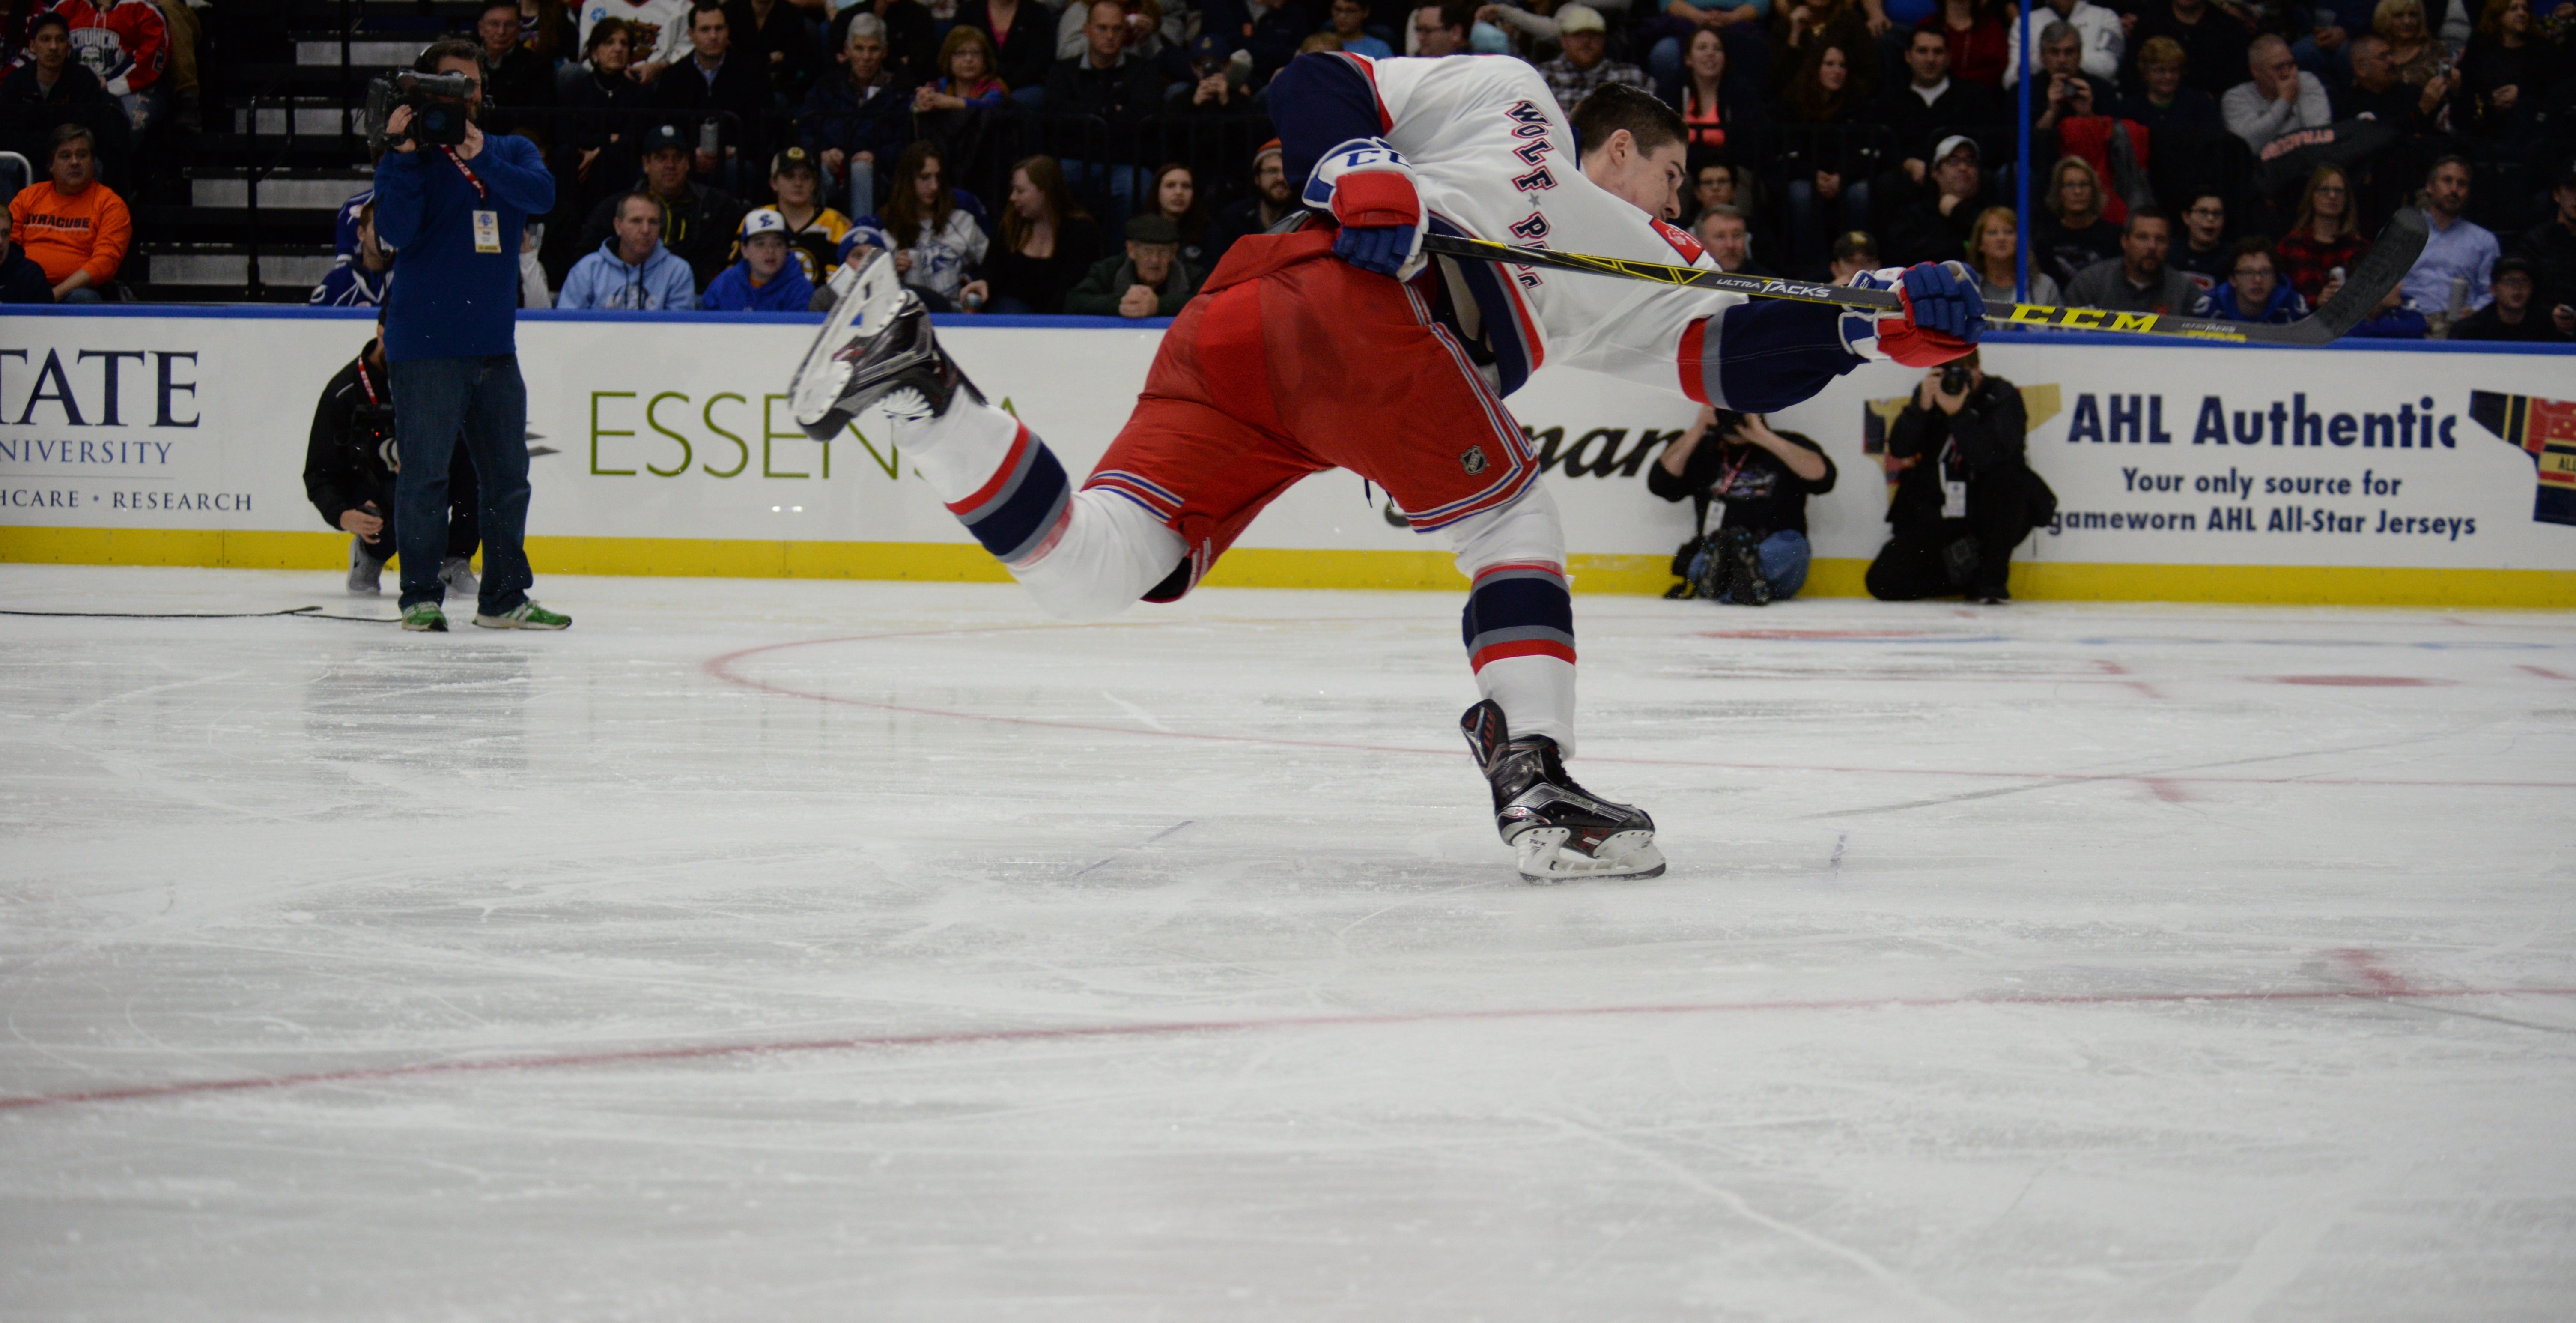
(1969, 497)
(349, 466)
(453, 203)
(1759, 552)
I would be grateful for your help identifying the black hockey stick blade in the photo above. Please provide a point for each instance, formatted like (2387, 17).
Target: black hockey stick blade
(2371, 278)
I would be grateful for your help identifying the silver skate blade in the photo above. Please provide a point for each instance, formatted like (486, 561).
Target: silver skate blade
(869, 294)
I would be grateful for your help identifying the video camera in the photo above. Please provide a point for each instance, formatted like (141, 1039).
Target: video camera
(437, 104)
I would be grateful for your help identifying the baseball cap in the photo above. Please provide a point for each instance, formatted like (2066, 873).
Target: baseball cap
(1209, 46)
(762, 220)
(2506, 266)
(1152, 229)
(1580, 18)
(794, 158)
(1953, 143)
(666, 138)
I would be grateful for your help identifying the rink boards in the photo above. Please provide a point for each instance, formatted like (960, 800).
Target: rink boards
(662, 445)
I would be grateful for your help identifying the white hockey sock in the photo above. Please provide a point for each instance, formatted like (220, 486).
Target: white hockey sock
(958, 451)
(1519, 620)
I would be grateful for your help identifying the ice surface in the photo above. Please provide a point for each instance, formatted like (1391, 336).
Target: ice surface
(1979, 989)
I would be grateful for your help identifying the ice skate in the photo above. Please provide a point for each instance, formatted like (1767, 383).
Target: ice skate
(877, 345)
(366, 573)
(1559, 829)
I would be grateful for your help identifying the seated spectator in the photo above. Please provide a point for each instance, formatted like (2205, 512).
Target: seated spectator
(1931, 104)
(1023, 37)
(777, 37)
(862, 117)
(697, 222)
(2177, 117)
(1048, 240)
(1348, 21)
(2279, 98)
(2099, 31)
(2066, 92)
(1585, 64)
(1709, 101)
(1681, 19)
(1994, 249)
(1176, 199)
(1968, 498)
(2254, 290)
(912, 37)
(1219, 84)
(50, 89)
(1716, 184)
(21, 280)
(514, 77)
(70, 224)
(2393, 320)
(1759, 552)
(1801, 28)
(2072, 235)
(2139, 280)
(1826, 190)
(2551, 247)
(348, 478)
(713, 83)
(2450, 277)
(1443, 29)
(2213, 39)
(126, 43)
(2203, 253)
(966, 78)
(1107, 79)
(1149, 281)
(1974, 30)
(360, 281)
(598, 138)
(938, 247)
(2508, 64)
(2376, 92)
(2511, 315)
(766, 279)
(1728, 237)
(657, 32)
(2325, 238)
(1853, 253)
(1270, 203)
(1936, 227)
(2416, 53)
(814, 231)
(631, 269)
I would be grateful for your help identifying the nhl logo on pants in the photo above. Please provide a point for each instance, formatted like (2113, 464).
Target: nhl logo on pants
(1473, 461)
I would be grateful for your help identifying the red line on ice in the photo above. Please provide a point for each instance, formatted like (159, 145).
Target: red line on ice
(722, 668)
(1067, 1033)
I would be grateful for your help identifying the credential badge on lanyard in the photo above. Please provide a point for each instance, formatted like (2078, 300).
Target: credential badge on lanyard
(487, 221)
(1954, 491)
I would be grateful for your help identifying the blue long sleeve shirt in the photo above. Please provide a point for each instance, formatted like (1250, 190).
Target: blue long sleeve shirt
(450, 301)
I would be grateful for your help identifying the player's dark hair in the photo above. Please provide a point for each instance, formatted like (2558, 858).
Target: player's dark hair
(446, 48)
(2137, 214)
(1615, 106)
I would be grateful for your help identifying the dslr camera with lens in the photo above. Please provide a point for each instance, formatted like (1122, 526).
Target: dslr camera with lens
(438, 108)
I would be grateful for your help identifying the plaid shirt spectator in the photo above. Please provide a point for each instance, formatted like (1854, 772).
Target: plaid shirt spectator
(1571, 84)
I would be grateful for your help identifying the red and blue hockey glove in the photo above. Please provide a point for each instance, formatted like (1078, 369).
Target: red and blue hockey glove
(1369, 189)
(1945, 314)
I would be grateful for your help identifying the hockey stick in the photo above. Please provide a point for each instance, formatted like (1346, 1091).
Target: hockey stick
(2369, 282)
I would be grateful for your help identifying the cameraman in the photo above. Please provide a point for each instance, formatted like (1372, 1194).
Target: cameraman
(1759, 552)
(1968, 499)
(454, 213)
(349, 464)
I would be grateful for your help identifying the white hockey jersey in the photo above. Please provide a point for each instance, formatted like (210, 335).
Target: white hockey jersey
(1494, 159)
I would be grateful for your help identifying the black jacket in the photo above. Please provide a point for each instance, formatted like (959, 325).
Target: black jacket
(1920, 233)
(1760, 492)
(1920, 127)
(22, 281)
(786, 34)
(1026, 53)
(1127, 90)
(28, 116)
(348, 459)
(1981, 444)
(740, 87)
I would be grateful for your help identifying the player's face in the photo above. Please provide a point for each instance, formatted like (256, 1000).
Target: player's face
(1649, 181)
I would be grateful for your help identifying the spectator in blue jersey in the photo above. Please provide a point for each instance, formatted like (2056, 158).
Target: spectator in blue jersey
(455, 216)
(765, 280)
(631, 269)
(358, 281)
(2254, 290)
(21, 280)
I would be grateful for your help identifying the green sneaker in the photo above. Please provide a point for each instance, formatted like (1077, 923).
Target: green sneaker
(526, 615)
(425, 615)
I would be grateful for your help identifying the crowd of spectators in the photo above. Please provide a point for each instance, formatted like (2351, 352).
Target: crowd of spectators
(2182, 149)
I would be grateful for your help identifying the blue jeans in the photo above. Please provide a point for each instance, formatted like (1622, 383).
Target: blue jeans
(482, 403)
(1784, 557)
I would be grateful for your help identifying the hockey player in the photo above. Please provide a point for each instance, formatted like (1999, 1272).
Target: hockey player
(1338, 345)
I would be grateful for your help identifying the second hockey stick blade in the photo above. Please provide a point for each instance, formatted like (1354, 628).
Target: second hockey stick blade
(2367, 285)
